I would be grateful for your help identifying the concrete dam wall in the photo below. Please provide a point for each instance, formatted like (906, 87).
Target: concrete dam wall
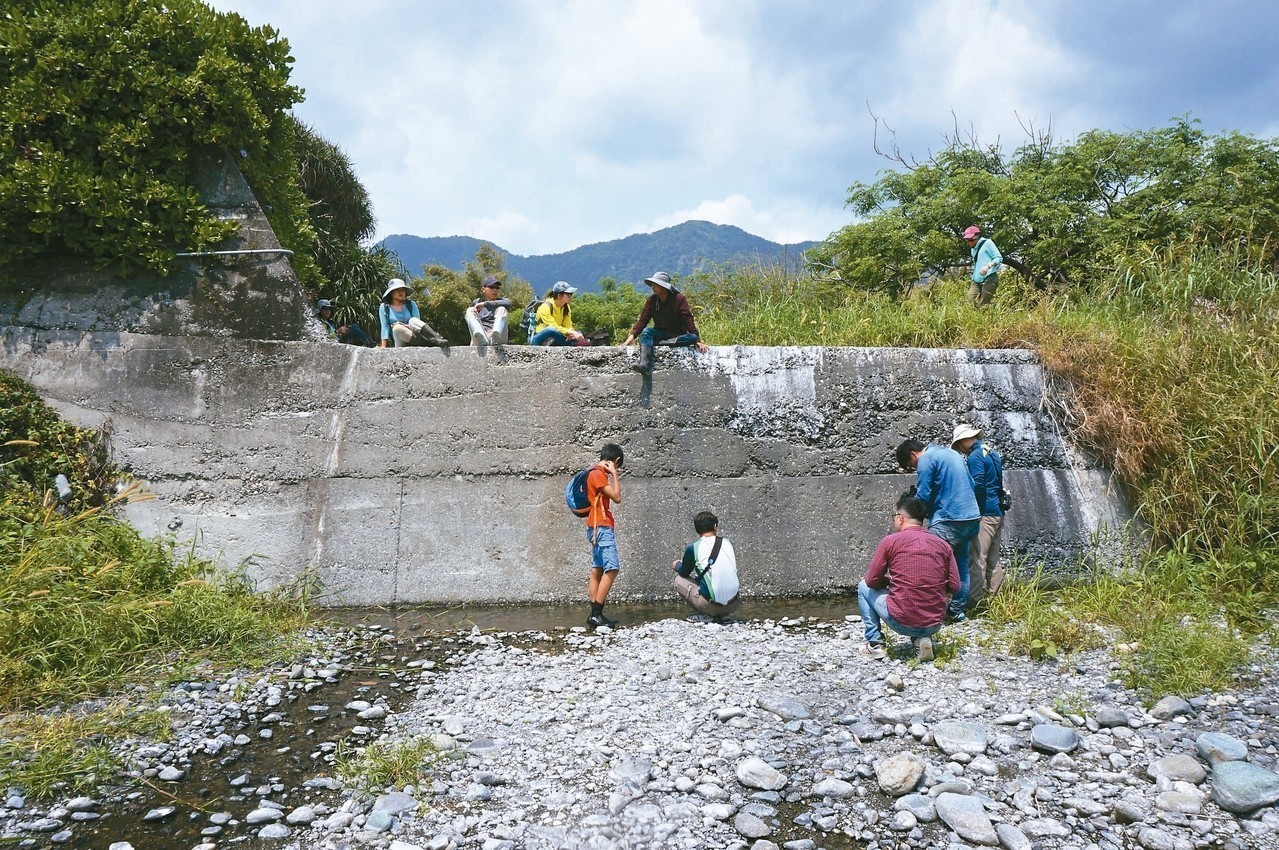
(402, 476)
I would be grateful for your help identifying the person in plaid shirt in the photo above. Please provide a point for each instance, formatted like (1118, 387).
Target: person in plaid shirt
(908, 584)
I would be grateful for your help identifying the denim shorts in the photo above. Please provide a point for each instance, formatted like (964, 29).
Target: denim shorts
(603, 549)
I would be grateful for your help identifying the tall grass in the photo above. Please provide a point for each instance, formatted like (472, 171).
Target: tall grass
(1171, 371)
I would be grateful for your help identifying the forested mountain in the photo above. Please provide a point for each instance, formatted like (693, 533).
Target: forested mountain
(682, 249)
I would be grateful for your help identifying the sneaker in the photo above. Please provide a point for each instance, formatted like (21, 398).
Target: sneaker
(478, 338)
(924, 649)
(875, 651)
(956, 617)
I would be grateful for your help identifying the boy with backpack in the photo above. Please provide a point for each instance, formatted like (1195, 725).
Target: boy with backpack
(602, 488)
(707, 575)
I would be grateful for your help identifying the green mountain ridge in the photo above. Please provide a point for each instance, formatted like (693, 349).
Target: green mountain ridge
(680, 250)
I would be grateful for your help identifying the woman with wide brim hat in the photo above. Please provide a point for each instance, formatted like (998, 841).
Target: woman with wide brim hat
(402, 323)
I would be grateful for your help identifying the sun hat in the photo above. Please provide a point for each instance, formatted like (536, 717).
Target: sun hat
(394, 284)
(322, 303)
(962, 432)
(562, 286)
(972, 232)
(661, 279)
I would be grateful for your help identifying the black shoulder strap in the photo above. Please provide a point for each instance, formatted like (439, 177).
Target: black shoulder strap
(710, 562)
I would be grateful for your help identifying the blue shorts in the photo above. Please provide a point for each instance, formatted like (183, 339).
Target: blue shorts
(603, 549)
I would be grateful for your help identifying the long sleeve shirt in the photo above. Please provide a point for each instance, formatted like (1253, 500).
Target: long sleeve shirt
(986, 259)
(550, 316)
(390, 316)
(674, 315)
(987, 470)
(486, 310)
(945, 485)
(920, 573)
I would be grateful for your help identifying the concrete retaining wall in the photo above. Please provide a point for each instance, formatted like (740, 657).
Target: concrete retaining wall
(420, 475)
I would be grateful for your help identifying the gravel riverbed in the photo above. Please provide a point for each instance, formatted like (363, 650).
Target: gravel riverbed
(760, 735)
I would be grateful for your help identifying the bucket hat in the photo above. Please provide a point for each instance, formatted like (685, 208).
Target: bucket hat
(962, 432)
(562, 286)
(394, 284)
(661, 279)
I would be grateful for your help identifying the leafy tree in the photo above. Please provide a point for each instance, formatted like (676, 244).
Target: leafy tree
(1061, 214)
(615, 307)
(106, 109)
(451, 292)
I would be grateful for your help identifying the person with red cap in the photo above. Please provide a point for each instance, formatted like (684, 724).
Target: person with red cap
(986, 260)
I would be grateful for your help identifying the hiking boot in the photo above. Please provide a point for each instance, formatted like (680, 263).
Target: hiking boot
(924, 649)
(874, 651)
(644, 364)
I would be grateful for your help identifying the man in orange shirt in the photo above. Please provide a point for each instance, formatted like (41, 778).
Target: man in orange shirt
(603, 488)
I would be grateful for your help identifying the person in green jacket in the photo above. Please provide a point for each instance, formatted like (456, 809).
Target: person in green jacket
(986, 260)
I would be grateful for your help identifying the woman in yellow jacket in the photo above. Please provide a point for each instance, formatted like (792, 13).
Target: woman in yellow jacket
(554, 321)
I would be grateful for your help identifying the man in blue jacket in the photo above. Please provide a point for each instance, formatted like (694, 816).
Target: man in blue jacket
(946, 489)
(987, 469)
(986, 260)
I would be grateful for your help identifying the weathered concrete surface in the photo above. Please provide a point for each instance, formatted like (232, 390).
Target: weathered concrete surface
(417, 475)
(251, 295)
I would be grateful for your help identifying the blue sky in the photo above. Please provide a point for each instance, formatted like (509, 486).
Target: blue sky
(542, 125)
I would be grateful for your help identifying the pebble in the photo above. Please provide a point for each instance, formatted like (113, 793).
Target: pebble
(772, 735)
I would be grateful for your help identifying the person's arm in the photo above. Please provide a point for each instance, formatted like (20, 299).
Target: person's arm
(645, 315)
(384, 314)
(952, 571)
(924, 480)
(992, 258)
(500, 302)
(877, 572)
(613, 488)
(979, 471)
(688, 564)
(690, 323)
(546, 318)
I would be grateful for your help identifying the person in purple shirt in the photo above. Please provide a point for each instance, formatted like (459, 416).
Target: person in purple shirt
(672, 319)
(946, 489)
(908, 584)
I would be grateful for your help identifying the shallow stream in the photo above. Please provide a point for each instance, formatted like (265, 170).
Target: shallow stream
(274, 768)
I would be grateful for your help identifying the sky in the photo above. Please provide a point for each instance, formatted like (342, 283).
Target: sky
(544, 125)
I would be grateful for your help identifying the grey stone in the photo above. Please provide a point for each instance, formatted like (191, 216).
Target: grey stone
(899, 774)
(1052, 738)
(394, 803)
(1216, 747)
(958, 736)
(301, 816)
(1109, 717)
(836, 788)
(379, 820)
(784, 707)
(1155, 839)
(1240, 787)
(968, 817)
(1012, 838)
(1045, 828)
(1170, 707)
(751, 826)
(263, 815)
(1177, 768)
(903, 821)
(274, 831)
(919, 805)
(159, 813)
(1178, 801)
(756, 773)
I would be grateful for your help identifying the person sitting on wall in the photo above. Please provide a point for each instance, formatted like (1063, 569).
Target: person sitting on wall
(349, 334)
(401, 321)
(486, 318)
(554, 321)
(672, 319)
(707, 574)
(908, 584)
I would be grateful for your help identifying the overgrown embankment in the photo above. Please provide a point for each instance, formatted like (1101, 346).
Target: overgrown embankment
(1167, 370)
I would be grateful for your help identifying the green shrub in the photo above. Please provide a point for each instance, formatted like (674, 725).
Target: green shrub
(106, 106)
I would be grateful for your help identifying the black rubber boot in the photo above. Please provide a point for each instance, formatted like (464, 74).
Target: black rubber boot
(645, 362)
